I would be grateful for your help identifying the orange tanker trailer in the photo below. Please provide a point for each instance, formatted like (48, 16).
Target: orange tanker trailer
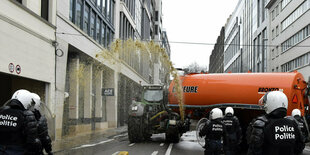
(202, 92)
(242, 91)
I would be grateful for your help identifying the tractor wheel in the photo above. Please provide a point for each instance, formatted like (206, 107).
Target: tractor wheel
(135, 129)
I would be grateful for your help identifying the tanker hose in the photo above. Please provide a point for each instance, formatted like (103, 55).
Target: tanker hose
(158, 114)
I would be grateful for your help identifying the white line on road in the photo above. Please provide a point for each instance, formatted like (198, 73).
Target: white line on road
(169, 149)
(116, 153)
(155, 153)
(131, 144)
(122, 135)
(162, 144)
(89, 145)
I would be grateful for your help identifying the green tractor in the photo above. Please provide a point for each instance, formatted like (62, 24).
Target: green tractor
(150, 115)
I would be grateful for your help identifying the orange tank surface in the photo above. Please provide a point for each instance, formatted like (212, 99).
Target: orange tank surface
(239, 90)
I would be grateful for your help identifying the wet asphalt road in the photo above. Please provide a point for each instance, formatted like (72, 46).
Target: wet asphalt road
(188, 145)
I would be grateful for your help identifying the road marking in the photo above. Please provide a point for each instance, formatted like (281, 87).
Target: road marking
(155, 153)
(131, 144)
(90, 145)
(116, 153)
(162, 144)
(122, 135)
(168, 152)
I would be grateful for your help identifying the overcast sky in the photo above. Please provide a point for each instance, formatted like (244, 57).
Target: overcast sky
(197, 21)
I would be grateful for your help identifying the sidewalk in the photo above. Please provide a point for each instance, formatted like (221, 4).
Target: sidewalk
(66, 143)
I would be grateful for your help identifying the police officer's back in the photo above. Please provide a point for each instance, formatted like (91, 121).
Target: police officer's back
(42, 126)
(272, 134)
(234, 132)
(296, 116)
(214, 131)
(18, 127)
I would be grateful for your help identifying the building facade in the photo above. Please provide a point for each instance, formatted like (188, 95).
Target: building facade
(233, 41)
(101, 70)
(27, 40)
(289, 36)
(217, 57)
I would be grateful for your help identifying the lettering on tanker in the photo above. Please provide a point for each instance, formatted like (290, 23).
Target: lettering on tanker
(190, 89)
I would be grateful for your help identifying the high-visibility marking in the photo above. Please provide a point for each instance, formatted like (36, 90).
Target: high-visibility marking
(123, 153)
(161, 144)
(90, 145)
(295, 100)
(131, 144)
(155, 153)
(168, 152)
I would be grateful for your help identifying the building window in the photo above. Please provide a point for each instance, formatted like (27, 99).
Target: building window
(44, 9)
(78, 13)
(296, 38)
(284, 3)
(277, 10)
(103, 7)
(92, 25)
(86, 19)
(99, 4)
(112, 12)
(103, 40)
(98, 29)
(296, 14)
(272, 14)
(277, 30)
(272, 33)
(296, 63)
(108, 6)
(71, 10)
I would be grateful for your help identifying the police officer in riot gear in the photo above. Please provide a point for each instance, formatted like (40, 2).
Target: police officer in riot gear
(296, 116)
(42, 126)
(234, 132)
(214, 132)
(272, 134)
(18, 126)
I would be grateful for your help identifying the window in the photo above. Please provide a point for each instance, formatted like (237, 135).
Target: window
(272, 14)
(98, 3)
(98, 29)
(277, 30)
(272, 33)
(277, 10)
(108, 9)
(103, 40)
(71, 10)
(112, 12)
(78, 13)
(284, 3)
(19, 1)
(92, 25)
(86, 20)
(103, 7)
(44, 9)
(296, 14)
(296, 63)
(296, 38)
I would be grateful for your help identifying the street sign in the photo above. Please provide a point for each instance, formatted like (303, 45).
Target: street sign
(107, 91)
(11, 67)
(18, 69)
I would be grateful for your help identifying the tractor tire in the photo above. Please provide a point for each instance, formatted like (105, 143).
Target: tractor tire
(135, 129)
(173, 137)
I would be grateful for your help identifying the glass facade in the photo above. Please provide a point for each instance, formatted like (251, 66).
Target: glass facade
(90, 16)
